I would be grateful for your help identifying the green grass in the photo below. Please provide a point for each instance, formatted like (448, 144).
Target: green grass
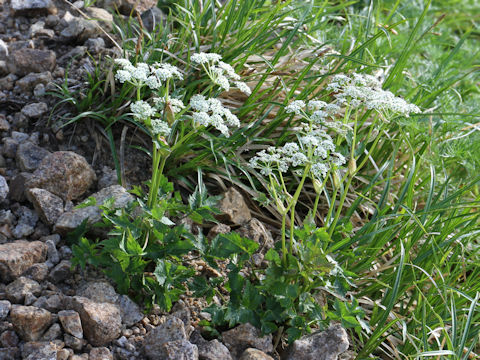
(414, 206)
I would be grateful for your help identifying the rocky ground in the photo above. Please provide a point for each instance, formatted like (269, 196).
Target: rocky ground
(49, 310)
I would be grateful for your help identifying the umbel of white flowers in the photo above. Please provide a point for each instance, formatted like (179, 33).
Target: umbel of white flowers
(206, 112)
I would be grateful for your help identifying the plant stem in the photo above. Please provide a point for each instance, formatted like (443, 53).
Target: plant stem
(284, 247)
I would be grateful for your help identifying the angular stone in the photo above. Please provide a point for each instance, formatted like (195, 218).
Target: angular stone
(100, 353)
(51, 303)
(29, 321)
(73, 342)
(234, 208)
(245, 336)
(254, 354)
(98, 291)
(4, 124)
(3, 50)
(9, 339)
(32, 7)
(24, 61)
(218, 229)
(63, 173)
(178, 350)
(18, 289)
(171, 330)
(37, 272)
(52, 333)
(72, 219)
(127, 6)
(210, 350)
(18, 256)
(71, 323)
(10, 353)
(34, 110)
(256, 231)
(4, 190)
(153, 17)
(17, 186)
(28, 82)
(4, 309)
(48, 206)
(130, 311)
(61, 272)
(40, 350)
(29, 156)
(322, 345)
(101, 322)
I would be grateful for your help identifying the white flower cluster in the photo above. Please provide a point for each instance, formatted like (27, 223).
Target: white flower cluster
(365, 90)
(142, 110)
(143, 74)
(176, 105)
(211, 112)
(220, 72)
(314, 147)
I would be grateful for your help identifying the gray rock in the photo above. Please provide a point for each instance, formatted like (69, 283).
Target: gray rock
(234, 208)
(26, 223)
(52, 253)
(19, 137)
(37, 272)
(32, 7)
(9, 339)
(4, 124)
(35, 110)
(171, 330)
(6, 83)
(39, 90)
(63, 173)
(29, 321)
(179, 350)
(71, 323)
(40, 350)
(4, 309)
(100, 353)
(24, 61)
(23, 230)
(98, 291)
(4, 190)
(30, 81)
(37, 30)
(47, 205)
(29, 156)
(95, 45)
(130, 311)
(3, 50)
(61, 272)
(72, 219)
(245, 336)
(18, 256)
(53, 303)
(18, 289)
(127, 6)
(101, 322)
(54, 332)
(81, 29)
(254, 354)
(73, 342)
(9, 147)
(153, 17)
(18, 186)
(210, 350)
(324, 345)
(257, 232)
(10, 353)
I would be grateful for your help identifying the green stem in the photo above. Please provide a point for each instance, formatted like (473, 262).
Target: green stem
(284, 247)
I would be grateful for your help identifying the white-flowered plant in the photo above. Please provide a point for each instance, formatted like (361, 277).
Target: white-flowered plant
(314, 155)
(158, 111)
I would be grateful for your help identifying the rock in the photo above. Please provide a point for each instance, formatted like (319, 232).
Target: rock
(126, 6)
(233, 207)
(63, 173)
(18, 256)
(52, 253)
(254, 354)
(171, 330)
(10, 353)
(4, 309)
(23, 230)
(153, 17)
(19, 137)
(210, 350)
(101, 322)
(256, 231)
(29, 321)
(71, 323)
(108, 178)
(4, 124)
(4, 190)
(98, 291)
(130, 311)
(73, 342)
(80, 29)
(47, 205)
(3, 50)
(30, 81)
(32, 7)
(53, 303)
(95, 45)
(17, 290)
(53, 333)
(104, 17)
(24, 61)
(72, 219)
(40, 350)
(26, 222)
(37, 272)
(245, 336)
(179, 350)
(61, 272)
(218, 229)
(322, 345)
(9, 339)
(35, 110)
(29, 156)
(17, 186)
(37, 30)
(100, 353)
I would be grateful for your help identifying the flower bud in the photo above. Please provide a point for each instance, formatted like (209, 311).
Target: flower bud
(352, 166)
(317, 185)
(336, 179)
(170, 113)
(280, 206)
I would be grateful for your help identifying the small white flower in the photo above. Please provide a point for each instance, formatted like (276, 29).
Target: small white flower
(160, 127)
(201, 118)
(216, 106)
(153, 83)
(232, 119)
(243, 87)
(319, 116)
(319, 170)
(290, 148)
(140, 73)
(222, 81)
(298, 159)
(205, 58)
(229, 70)
(123, 76)
(142, 110)
(199, 103)
(316, 105)
(295, 107)
(165, 71)
(123, 62)
(332, 109)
